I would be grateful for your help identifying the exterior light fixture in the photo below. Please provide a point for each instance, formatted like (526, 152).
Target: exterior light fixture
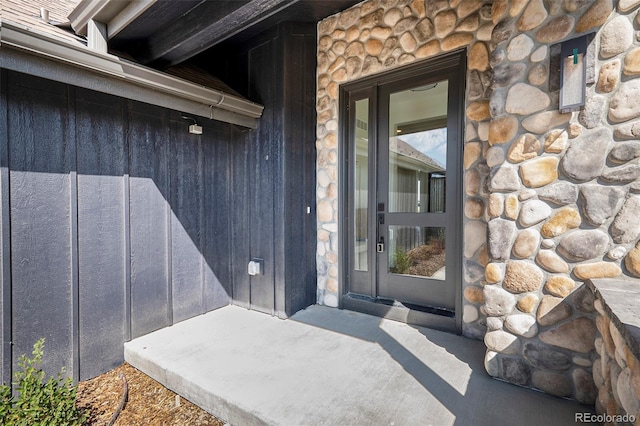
(573, 74)
(194, 129)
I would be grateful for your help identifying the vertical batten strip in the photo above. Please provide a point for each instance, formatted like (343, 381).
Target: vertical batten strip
(168, 225)
(5, 236)
(73, 201)
(127, 222)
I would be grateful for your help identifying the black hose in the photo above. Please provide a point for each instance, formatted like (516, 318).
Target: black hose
(123, 400)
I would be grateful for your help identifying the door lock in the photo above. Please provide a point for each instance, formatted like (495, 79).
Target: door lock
(380, 244)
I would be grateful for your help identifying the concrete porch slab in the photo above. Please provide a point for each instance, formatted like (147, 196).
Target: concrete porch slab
(324, 366)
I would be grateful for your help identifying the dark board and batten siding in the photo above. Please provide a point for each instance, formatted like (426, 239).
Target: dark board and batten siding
(263, 158)
(217, 219)
(275, 202)
(5, 237)
(103, 243)
(40, 199)
(187, 223)
(112, 234)
(149, 219)
(115, 221)
(298, 167)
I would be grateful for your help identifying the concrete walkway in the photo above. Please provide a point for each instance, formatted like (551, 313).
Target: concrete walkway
(324, 366)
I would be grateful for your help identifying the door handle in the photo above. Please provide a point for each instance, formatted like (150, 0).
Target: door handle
(380, 244)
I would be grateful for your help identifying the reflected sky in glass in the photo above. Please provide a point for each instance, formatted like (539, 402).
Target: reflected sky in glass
(432, 143)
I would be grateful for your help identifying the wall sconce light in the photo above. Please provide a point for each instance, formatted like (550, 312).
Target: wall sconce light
(573, 74)
(194, 129)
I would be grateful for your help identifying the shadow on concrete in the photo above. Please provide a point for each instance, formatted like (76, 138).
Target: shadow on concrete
(474, 398)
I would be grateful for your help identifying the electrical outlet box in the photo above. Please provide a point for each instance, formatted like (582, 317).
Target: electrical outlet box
(255, 266)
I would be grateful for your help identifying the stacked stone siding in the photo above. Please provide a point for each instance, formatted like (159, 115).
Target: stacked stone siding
(616, 371)
(569, 182)
(551, 199)
(375, 36)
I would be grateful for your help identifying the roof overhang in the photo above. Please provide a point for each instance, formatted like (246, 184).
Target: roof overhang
(205, 102)
(115, 14)
(165, 33)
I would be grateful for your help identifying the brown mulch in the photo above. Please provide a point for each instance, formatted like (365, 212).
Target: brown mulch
(149, 403)
(426, 260)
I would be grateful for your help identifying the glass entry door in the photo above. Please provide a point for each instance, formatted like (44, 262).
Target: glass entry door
(404, 146)
(412, 194)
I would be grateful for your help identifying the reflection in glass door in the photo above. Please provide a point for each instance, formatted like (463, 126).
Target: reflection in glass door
(361, 186)
(417, 178)
(402, 151)
(412, 183)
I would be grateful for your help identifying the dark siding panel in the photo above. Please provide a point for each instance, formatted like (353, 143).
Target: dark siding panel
(293, 170)
(240, 215)
(280, 143)
(217, 216)
(73, 204)
(308, 262)
(5, 238)
(186, 223)
(264, 155)
(148, 184)
(101, 163)
(276, 163)
(40, 197)
(93, 246)
(299, 236)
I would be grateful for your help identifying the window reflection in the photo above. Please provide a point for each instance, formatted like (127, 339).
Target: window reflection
(418, 251)
(418, 149)
(361, 185)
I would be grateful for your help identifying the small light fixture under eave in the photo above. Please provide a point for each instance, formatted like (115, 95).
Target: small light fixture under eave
(194, 129)
(573, 74)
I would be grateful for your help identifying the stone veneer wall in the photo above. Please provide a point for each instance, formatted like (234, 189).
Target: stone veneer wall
(564, 195)
(550, 198)
(375, 36)
(616, 371)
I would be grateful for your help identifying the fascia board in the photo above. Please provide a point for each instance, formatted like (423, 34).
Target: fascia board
(116, 15)
(83, 12)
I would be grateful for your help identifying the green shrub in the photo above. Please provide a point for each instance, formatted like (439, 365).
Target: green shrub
(39, 402)
(402, 262)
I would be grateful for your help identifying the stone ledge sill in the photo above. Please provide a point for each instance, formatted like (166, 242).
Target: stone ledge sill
(621, 301)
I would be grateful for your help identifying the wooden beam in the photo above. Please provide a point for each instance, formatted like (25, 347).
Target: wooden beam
(128, 15)
(98, 10)
(97, 36)
(191, 34)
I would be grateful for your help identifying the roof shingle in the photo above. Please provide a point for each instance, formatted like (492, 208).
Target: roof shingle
(27, 14)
